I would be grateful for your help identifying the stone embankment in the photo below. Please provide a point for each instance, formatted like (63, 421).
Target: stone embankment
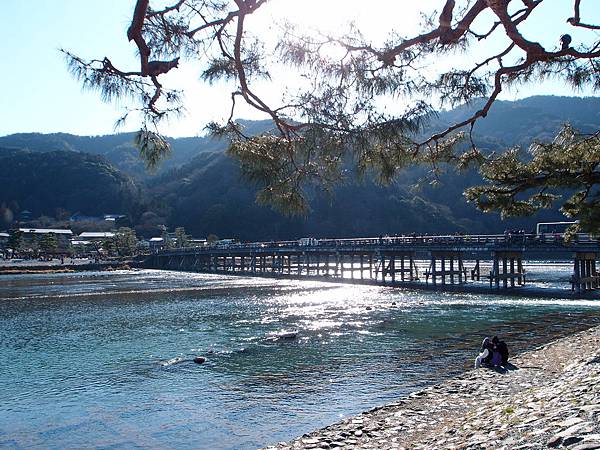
(548, 398)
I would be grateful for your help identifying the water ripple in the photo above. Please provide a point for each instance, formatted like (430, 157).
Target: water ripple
(282, 357)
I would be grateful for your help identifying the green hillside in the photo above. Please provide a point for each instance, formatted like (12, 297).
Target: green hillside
(209, 196)
(200, 188)
(74, 181)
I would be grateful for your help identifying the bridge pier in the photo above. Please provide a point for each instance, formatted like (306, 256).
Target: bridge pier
(476, 271)
(362, 267)
(451, 257)
(585, 277)
(389, 266)
(508, 274)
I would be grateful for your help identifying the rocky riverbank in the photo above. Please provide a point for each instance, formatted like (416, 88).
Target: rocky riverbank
(548, 398)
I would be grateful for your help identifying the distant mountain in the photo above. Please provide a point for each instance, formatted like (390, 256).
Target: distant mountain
(524, 121)
(118, 148)
(74, 181)
(210, 196)
(200, 188)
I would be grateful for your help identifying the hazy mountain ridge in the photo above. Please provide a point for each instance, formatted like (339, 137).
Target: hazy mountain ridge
(201, 188)
(119, 149)
(522, 121)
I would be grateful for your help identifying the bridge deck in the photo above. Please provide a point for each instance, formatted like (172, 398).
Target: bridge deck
(525, 242)
(391, 260)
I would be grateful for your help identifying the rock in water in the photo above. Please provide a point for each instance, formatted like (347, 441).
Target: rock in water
(173, 361)
(199, 359)
(287, 335)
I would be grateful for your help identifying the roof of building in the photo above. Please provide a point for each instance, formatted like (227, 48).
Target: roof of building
(156, 239)
(80, 242)
(4, 235)
(114, 216)
(45, 231)
(96, 234)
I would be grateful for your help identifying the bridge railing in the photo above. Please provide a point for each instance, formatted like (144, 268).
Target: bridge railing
(409, 241)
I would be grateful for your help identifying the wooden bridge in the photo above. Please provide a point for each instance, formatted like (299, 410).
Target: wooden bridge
(452, 260)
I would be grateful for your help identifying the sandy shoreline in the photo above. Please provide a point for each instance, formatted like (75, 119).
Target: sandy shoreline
(550, 399)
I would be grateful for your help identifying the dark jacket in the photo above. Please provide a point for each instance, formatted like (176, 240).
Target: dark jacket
(503, 349)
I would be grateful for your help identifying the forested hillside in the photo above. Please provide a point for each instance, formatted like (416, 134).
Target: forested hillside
(534, 118)
(200, 188)
(209, 196)
(72, 181)
(117, 148)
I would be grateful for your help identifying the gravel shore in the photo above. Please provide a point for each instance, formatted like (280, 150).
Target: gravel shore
(548, 398)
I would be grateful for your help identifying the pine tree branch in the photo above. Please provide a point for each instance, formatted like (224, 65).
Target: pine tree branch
(576, 19)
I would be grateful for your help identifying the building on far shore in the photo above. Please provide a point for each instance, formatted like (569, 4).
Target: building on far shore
(156, 243)
(117, 220)
(95, 236)
(63, 237)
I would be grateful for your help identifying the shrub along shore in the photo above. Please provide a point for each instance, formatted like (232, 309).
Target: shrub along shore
(548, 398)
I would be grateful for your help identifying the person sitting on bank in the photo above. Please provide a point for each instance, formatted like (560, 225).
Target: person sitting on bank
(501, 348)
(485, 355)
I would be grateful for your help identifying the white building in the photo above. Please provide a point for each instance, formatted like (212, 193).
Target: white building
(95, 236)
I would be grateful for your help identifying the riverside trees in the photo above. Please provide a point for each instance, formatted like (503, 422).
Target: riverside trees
(337, 115)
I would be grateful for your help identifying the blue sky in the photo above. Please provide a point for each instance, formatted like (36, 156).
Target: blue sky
(39, 95)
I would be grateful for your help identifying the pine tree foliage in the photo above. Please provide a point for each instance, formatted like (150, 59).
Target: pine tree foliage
(335, 119)
(49, 243)
(565, 170)
(152, 146)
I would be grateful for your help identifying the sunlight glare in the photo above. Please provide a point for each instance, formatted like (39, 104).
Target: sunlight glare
(375, 18)
(332, 16)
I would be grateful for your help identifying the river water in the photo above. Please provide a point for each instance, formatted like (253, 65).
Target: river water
(98, 360)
